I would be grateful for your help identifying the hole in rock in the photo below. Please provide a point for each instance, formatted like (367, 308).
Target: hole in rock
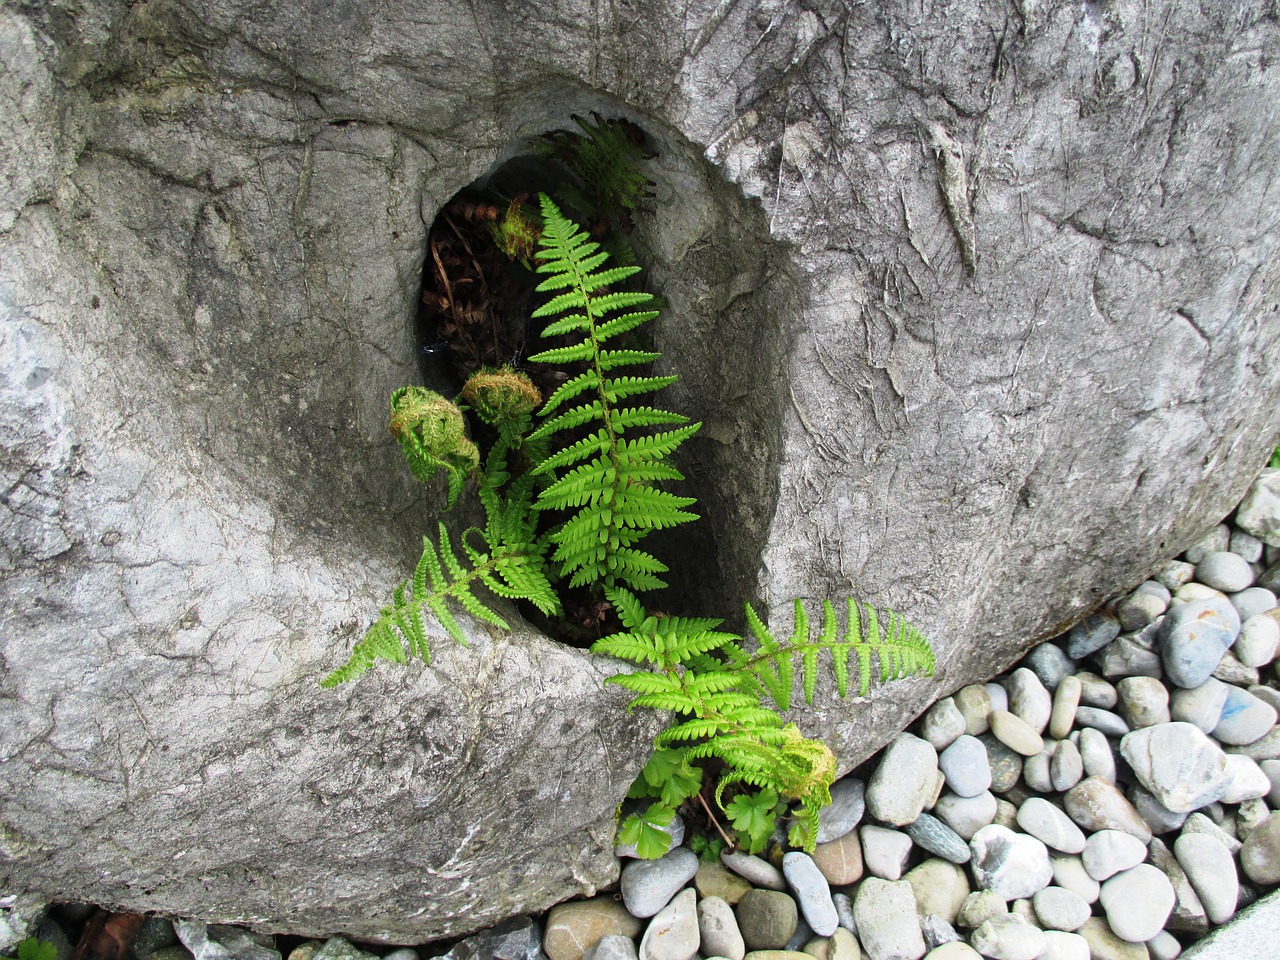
(724, 291)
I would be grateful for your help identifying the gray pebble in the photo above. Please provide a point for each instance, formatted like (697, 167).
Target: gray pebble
(1144, 702)
(1212, 874)
(1102, 720)
(942, 723)
(1028, 699)
(1096, 691)
(1244, 719)
(848, 804)
(1096, 804)
(1231, 670)
(1158, 817)
(1108, 852)
(1259, 511)
(1181, 767)
(1225, 571)
(1013, 865)
(888, 926)
(767, 919)
(1216, 540)
(649, 885)
(1164, 946)
(1060, 945)
(844, 910)
(1272, 769)
(904, 781)
(1091, 634)
(1175, 573)
(1253, 601)
(1267, 748)
(759, 872)
(1069, 872)
(974, 703)
(1096, 754)
(935, 836)
(1195, 635)
(1137, 902)
(673, 932)
(1035, 770)
(937, 931)
(812, 892)
(1201, 824)
(1246, 545)
(1050, 663)
(1008, 937)
(1258, 641)
(1126, 658)
(1138, 609)
(1060, 909)
(884, 851)
(612, 947)
(1015, 733)
(1200, 706)
(1248, 781)
(965, 765)
(1188, 911)
(1065, 700)
(967, 815)
(1066, 768)
(1260, 854)
(979, 907)
(1041, 819)
(1006, 766)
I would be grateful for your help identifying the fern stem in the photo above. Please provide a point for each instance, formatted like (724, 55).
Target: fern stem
(715, 822)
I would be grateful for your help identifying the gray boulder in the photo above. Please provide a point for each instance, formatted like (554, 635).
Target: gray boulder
(952, 352)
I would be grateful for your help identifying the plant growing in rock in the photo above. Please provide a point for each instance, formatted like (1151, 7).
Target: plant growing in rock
(570, 488)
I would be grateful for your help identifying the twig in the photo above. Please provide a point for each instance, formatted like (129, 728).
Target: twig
(714, 822)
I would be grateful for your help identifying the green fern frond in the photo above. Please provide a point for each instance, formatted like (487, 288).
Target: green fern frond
(604, 160)
(433, 435)
(612, 470)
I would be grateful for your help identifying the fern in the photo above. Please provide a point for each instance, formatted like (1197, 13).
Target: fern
(604, 160)
(718, 692)
(609, 476)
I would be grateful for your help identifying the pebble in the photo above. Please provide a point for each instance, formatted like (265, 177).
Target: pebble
(1065, 700)
(1244, 719)
(1195, 637)
(1015, 733)
(1137, 902)
(1247, 780)
(884, 851)
(1105, 945)
(940, 888)
(848, 803)
(888, 926)
(1096, 754)
(1006, 814)
(1175, 573)
(1091, 634)
(1219, 538)
(1164, 946)
(613, 947)
(573, 928)
(1188, 911)
(673, 933)
(1259, 511)
(1267, 748)
(1008, 937)
(1028, 699)
(758, 872)
(1125, 657)
(1013, 865)
(966, 768)
(841, 945)
(1139, 609)
(1096, 804)
(1200, 706)
(1005, 764)
(937, 931)
(1246, 545)
(1258, 641)
(1035, 770)
(1096, 691)
(942, 723)
(767, 919)
(1059, 945)
(1102, 720)
(1250, 815)
(904, 781)
(999, 696)
(967, 815)
(713, 880)
(649, 885)
(1158, 817)
(1069, 873)
(1212, 873)
(1058, 908)
(844, 910)
(1199, 823)
(840, 860)
(956, 950)
(1144, 702)
(931, 834)
(1041, 819)
(1231, 670)
(1109, 852)
(980, 906)
(1050, 663)
(974, 704)
(1225, 571)
(1066, 768)
(812, 892)
(1181, 766)
(1252, 602)
(1260, 854)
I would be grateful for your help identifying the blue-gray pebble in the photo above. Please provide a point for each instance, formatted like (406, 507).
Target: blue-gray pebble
(649, 885)
(1091, 634)
(812, 892)
(935, 836)
(1050, 663)
(848, 803)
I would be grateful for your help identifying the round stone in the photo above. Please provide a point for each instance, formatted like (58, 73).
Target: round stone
(1050, 663)
(999, 696)
(573, 928)
(1158, 817)
(1248, 781)
(1015, 733)
(1259, 511)
(884, 851)
(1096, 804)
(1246, 545)
(1035, 770)
(1137, 902)
(1069, 873)
(964, 763)
(718, 928)
(1008, 936)
(649, 885)
(1244, 719)
(942, 723)
(956, 950)
(1065, 700)
(1175, 573)
(1182, 768)
(904, 781)
(713, 880)
(812, 892)
(1200, 706)
(1058, 908)
(967, 815)
(978, 907)
(1005, 764)
(974, 704)
(1212, 873)
(1028, 699)
(1209, 826)
(759, 872)
(1219, 538)
(1096, 691)
(1126, 657)
(767, 919)
(613, 947)
(1105, 945)
(1011, 864)
(933, 835)
(1060, 945)
(1102, 720)
(885, 915)
(1066, 768)
(1109, 852)
(1096, 755)
(1194, 637)
(673, 933)
(1164, 946)
(1253, 601)
(840, 860)
(1139, 609)
(844, 812)
(1258, 641)
(1225, 571)
(1091, 634)
(1260, 853)
(1044, 821)
(1144, 702)
(940, 888)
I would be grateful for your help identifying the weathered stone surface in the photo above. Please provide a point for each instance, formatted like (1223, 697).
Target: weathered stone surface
(212, 226)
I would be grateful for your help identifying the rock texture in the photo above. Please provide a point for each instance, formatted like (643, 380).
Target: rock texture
(954, 352)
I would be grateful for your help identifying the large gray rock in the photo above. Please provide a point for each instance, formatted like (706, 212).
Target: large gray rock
(953, 353)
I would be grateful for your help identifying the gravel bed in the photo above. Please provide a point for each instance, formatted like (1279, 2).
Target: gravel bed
(1109, 798)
